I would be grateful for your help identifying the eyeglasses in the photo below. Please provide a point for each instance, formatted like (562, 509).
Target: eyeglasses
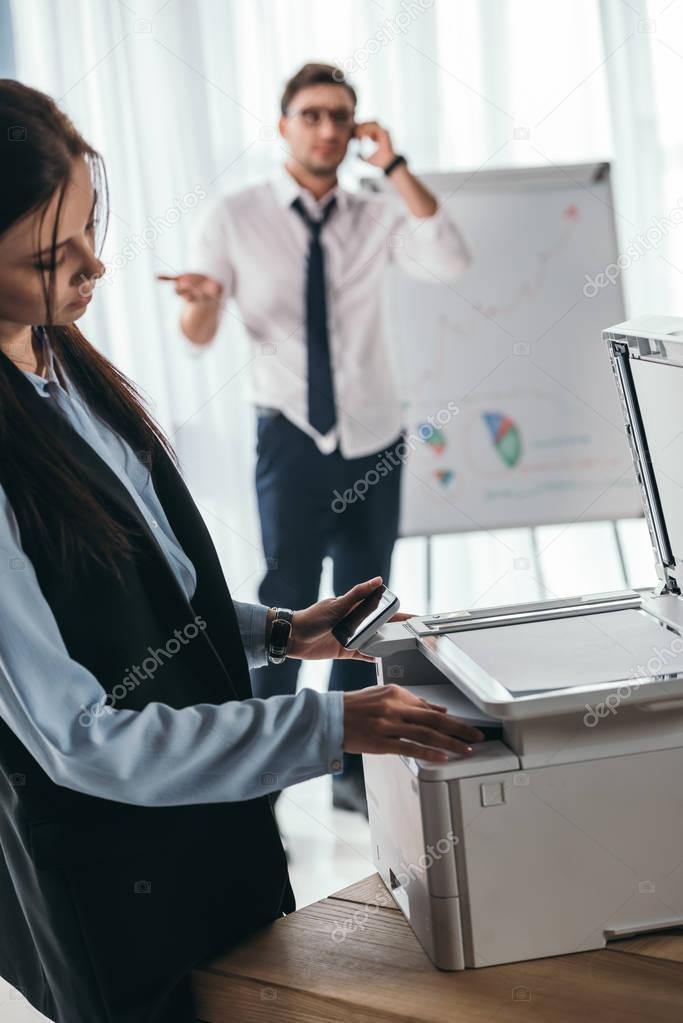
(342, 117)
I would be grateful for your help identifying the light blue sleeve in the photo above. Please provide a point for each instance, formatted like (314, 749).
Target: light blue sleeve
(252, 622)
(159, 756)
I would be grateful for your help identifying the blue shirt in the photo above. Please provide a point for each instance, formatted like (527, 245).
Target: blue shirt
(211, 753)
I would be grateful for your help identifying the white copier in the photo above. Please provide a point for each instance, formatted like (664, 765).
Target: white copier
(564, 829)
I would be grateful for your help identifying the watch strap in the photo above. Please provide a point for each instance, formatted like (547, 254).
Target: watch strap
(280, 631)
(396, 162)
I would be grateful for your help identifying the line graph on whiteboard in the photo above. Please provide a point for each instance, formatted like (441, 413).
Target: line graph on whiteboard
(516, 346)
(526, 291)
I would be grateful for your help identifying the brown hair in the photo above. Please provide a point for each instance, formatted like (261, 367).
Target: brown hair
(38, 143)
(314, 74)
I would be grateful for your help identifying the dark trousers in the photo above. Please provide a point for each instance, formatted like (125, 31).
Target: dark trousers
(306, 514)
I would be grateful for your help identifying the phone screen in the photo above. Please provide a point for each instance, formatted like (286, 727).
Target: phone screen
(364, 615)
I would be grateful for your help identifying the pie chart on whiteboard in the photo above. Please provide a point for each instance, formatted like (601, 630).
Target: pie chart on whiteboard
(505, 435)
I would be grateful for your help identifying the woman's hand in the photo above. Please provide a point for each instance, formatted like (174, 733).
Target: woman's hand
(379, 719)
(311, 638)
(389, 719)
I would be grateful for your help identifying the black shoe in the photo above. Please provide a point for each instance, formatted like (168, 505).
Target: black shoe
(348, 793)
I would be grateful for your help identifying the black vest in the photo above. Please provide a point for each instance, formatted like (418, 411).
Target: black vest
(106, 907)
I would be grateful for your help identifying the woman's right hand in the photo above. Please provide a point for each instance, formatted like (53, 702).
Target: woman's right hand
(195, 288)
(389, 719)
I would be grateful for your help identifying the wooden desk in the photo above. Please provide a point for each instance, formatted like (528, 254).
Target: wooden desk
(306, 968)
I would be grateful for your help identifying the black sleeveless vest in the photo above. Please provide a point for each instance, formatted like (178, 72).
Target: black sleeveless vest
(106, 907)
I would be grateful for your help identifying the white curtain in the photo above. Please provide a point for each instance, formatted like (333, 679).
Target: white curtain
(639, 172)
(181, 98)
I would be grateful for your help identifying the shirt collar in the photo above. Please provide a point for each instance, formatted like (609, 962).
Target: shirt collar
(287, 189)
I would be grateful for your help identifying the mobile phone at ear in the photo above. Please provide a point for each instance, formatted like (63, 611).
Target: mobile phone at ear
(366, 618)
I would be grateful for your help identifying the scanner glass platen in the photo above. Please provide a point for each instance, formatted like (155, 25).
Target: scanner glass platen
(585, 650)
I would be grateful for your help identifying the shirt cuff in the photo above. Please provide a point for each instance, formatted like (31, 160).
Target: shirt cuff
(335, 732)
(429, 226)
(252, 620)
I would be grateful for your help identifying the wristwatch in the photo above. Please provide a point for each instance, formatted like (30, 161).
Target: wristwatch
(280, 631)
(396, 162)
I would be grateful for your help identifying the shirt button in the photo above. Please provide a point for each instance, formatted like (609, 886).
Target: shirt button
(153, 523)
(336, 765)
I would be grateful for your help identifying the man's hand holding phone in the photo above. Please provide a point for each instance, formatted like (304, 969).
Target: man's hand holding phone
(384, 153)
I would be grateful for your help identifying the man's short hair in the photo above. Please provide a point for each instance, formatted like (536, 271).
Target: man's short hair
(314, 74)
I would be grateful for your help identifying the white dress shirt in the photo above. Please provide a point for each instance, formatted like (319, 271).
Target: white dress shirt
(256, 246)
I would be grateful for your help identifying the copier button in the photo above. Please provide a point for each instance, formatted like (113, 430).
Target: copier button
(492, 793)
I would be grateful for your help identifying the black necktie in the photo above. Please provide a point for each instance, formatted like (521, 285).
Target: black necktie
(321, 411)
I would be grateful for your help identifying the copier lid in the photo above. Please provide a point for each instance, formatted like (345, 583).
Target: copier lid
(647, 359)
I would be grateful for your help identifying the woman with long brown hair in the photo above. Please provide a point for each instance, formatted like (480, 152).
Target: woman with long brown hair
(136, 832)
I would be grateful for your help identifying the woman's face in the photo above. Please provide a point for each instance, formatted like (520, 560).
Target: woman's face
(25, 258)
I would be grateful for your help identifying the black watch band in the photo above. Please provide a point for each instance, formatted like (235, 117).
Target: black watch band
(280, 631)
(396, 162)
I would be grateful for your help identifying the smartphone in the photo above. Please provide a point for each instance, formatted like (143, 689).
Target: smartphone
(366, 618)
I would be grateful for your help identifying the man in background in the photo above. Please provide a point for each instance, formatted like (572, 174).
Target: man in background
(305, 262)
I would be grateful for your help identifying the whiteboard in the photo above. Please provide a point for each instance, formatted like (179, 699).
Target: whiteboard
(509, 361)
